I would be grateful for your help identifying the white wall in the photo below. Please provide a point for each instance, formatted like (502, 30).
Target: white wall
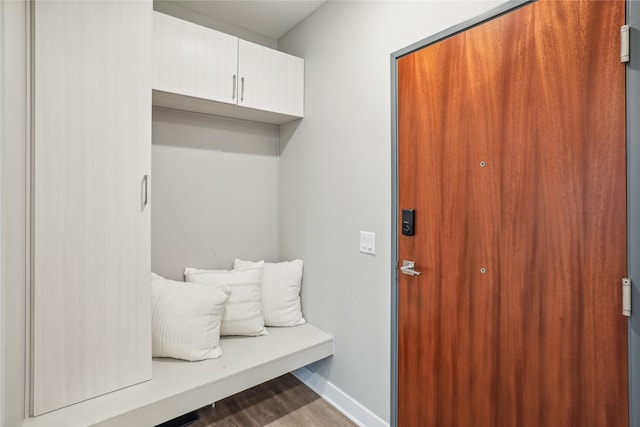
(335, 177)
(214, 192)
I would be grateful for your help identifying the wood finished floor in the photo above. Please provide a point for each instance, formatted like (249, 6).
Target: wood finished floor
(282, 402)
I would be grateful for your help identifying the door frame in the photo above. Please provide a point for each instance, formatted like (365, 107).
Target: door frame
(633, 193)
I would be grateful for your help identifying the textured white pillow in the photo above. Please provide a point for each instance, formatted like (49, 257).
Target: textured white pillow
(185, 319)
(243, 310)
(281, 284)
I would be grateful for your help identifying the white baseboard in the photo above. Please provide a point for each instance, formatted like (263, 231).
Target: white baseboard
(344, 403)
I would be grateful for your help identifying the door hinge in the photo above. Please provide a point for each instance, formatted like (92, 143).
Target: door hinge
(624, 44)
(626, 296)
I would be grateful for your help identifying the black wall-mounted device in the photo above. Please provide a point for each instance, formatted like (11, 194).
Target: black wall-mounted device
(408, 222)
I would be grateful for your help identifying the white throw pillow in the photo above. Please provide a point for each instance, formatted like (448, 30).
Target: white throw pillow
(281, 284)
(185, 319)
(243, 309)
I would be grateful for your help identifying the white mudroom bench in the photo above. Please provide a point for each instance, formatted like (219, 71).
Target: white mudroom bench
(178, 387)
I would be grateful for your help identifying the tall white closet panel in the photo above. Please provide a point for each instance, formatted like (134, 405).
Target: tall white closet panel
(91, 233)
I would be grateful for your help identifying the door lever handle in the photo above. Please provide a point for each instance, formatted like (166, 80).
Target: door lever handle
(408, 268)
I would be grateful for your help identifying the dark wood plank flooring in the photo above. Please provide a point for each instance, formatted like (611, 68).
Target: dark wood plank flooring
(282, 402)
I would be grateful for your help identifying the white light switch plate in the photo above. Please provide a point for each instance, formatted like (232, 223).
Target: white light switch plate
(368, 242)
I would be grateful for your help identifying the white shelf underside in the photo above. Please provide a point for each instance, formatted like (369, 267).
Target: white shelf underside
(174, 101)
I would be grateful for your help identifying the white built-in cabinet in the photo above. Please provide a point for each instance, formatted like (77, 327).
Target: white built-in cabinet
(270, 80)
(93, 66)
(202, 70)
(193, 60)
(91, 151)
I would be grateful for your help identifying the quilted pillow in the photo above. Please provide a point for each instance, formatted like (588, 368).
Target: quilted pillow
(185, 319)
(243, 310)
(281, 283)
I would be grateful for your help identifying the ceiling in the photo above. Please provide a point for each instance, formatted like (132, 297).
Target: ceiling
(268, 18)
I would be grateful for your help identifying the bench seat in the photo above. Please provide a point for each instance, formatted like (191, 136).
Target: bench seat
(178, 387)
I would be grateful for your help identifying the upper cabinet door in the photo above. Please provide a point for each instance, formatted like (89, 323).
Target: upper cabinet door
(193, 60)
(270, 80)
(91, 310)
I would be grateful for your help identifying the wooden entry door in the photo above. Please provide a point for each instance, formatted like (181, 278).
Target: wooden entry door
(512, 153)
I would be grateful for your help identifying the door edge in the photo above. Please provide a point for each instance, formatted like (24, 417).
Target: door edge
(633, 208)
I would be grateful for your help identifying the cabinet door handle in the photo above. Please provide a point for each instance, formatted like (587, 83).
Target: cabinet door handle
(233, 95)
(242, 90)
(145, 194)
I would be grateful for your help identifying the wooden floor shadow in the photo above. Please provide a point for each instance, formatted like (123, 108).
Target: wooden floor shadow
(284, 401)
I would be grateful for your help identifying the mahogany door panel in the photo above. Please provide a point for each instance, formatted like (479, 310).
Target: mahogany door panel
(512, 152)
